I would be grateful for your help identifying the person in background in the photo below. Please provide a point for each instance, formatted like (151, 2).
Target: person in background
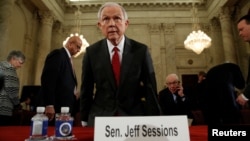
(244, 32)
(58, 80)
(201, 76)
(132, 92)
(1, 80)
(26, 104)
(9, 93)
(198, 91)
(172, 99)
(220, 98)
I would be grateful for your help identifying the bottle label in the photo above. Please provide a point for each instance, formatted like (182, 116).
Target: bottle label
(64, 128)
(39, 128)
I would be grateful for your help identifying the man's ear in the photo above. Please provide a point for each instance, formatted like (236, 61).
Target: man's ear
(98, 24)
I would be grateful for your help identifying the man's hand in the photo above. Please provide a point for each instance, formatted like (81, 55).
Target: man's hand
(180, 91)
(77, 94)
(84, 123)
(50, 112)
(242, 100)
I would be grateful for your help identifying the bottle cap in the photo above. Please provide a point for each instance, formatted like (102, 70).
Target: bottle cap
(64, 109)
(40, 109)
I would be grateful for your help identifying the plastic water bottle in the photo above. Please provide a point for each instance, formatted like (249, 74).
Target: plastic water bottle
(39, 125)
(64, 124)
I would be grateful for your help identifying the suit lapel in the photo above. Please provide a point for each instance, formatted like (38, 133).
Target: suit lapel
(70, 65)
(106, 62)
(126, 59)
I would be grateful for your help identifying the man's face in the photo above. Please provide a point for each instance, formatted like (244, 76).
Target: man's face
(244, 30)
(172, 84)
(112, 24)
(75, 47)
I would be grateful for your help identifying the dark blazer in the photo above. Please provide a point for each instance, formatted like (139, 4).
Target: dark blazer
(198, 94)
(247, 89)
(58, 81)
(171, 107)
(220, 100)
(137, 83)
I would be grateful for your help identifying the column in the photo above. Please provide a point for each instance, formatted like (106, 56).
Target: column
(155, 44)
(167, 53)
(227, 35)
(44, 41)
(217, 50)
(5, 15)
(169, 47)
(57, 36)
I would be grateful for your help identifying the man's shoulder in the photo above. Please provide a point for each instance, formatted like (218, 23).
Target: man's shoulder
(56, 52)
(98, 43)
(164, 91)
(134, 42)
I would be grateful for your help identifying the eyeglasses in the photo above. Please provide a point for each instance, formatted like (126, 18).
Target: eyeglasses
(19, 60)
(106, 20)
(173, 83)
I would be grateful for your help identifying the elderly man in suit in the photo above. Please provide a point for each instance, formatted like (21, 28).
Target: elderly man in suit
(172, 99)
(127, 90)
(58, 81)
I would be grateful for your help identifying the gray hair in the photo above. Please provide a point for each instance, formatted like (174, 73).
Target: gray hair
(172, 76)
(112, 4)
(16, 54)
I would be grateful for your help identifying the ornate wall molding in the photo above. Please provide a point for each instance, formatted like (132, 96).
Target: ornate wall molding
(168, 28)
(215, 24)
(90, 5)
(46, 17)
(224, 13)
(137, 2)
(154, 28)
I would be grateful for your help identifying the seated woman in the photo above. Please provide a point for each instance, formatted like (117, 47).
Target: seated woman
(1, 80)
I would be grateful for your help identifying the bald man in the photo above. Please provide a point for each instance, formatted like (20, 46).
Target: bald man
(58, 81)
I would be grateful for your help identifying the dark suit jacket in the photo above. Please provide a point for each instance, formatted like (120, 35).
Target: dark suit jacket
(170, 107)
(137, 82)
(197, 97)
(247, 89)
(58, 81)
(220, 100)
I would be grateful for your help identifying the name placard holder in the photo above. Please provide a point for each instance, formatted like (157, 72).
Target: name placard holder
(141, 128)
